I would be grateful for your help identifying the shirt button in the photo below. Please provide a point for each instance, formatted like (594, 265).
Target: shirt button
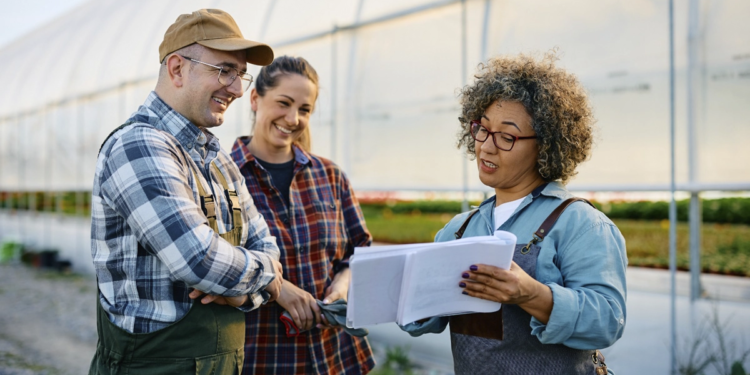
(622, 321)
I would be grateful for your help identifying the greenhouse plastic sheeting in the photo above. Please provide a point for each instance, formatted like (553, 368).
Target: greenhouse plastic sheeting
(387, 111)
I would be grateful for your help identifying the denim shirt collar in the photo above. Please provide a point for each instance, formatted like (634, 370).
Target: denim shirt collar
(552, 189)
(160, 115)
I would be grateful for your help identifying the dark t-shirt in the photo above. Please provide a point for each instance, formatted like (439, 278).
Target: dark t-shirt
(281, 176)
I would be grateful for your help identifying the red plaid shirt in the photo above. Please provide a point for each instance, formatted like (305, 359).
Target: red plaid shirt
(322, 224)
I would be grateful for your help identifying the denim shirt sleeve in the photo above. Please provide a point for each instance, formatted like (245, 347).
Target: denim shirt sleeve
(435, 324)
(589, 308)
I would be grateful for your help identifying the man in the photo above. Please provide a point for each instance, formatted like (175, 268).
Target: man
(172, 219)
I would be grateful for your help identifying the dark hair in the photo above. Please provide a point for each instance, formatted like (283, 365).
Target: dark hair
(268, 78)
(556, 101)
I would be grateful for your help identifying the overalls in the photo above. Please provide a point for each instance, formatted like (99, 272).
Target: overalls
(209, 339)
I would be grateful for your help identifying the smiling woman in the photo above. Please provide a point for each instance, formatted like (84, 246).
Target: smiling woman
(311, 210)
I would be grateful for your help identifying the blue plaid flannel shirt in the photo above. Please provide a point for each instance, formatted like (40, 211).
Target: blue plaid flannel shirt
(150, 241)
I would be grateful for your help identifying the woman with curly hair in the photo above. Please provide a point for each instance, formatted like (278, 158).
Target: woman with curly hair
(528, 123)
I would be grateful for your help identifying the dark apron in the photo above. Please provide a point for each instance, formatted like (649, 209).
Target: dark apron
(502, 343)
(209, 339)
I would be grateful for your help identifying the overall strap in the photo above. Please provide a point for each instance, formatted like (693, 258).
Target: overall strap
(207, 202)
(208, 205)
(550, 221)
(232, 199)
(460, 232)
(113, 132)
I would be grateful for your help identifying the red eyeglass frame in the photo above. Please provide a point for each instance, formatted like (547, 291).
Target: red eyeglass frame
(477, 123)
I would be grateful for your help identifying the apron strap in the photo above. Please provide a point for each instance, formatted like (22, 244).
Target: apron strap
(550, 221)
(460, 232)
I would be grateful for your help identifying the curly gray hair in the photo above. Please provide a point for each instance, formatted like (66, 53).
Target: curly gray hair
(554, 99)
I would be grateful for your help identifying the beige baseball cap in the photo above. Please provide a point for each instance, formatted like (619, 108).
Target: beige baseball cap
(212, 28)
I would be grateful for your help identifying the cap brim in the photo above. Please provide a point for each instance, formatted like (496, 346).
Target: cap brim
(257, 53)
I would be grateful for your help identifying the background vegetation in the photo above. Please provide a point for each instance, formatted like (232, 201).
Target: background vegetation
(725, 235)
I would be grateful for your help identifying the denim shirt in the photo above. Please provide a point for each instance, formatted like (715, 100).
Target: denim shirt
(582, 260)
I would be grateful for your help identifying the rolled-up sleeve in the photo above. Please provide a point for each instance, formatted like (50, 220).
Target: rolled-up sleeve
(357, 234)
(144, 181)
(589, 307)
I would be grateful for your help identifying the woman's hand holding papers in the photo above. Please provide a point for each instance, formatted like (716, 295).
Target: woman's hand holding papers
(513, 286)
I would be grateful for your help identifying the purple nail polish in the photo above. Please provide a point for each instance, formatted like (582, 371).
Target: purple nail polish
(464, 292)
(462, 285)
(473, 267)
(465, 275)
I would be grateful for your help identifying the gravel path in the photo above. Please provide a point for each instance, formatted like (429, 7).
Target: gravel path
(47, 322)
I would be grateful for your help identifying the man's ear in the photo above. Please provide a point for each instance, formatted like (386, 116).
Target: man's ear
(254, 99)
(176, 69)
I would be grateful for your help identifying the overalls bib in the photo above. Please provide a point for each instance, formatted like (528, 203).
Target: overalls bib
(209, 339)
(502, 343)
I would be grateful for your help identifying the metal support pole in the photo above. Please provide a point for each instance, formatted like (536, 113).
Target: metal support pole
(47, 240)
(464, 164)
(485, 29)
(24, 199)
(694, 39)
(334, 88)
(351, 123)
(79, 126)
(672, 203)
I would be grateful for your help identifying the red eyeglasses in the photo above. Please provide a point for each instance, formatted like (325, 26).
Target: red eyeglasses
(503, 141)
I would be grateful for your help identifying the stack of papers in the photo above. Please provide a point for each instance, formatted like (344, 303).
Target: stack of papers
(406, 283)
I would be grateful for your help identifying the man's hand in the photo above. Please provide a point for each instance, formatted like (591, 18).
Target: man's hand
(274, 288)
(300, 304)
(220, 300)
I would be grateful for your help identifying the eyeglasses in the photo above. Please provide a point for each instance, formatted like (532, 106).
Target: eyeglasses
(503, 141)
(227, 75)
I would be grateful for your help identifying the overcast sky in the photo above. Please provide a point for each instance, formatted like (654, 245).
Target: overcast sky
(20, 17)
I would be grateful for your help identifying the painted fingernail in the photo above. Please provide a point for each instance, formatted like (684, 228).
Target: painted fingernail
(462, 285)
(465, 275)
(464, 292)
(473, 267)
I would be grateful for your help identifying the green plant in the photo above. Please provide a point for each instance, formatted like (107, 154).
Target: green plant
(710, 347)
(396, 362)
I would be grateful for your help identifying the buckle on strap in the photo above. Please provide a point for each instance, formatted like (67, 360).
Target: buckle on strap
(534, 240)
(208, 206)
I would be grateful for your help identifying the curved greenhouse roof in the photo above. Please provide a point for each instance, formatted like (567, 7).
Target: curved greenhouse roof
(389, 73)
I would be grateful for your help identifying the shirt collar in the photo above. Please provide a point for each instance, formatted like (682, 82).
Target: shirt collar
(241, 153)
(160, 115)
(550, 189)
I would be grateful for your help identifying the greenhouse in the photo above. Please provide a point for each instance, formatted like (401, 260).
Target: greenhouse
(387, 110)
